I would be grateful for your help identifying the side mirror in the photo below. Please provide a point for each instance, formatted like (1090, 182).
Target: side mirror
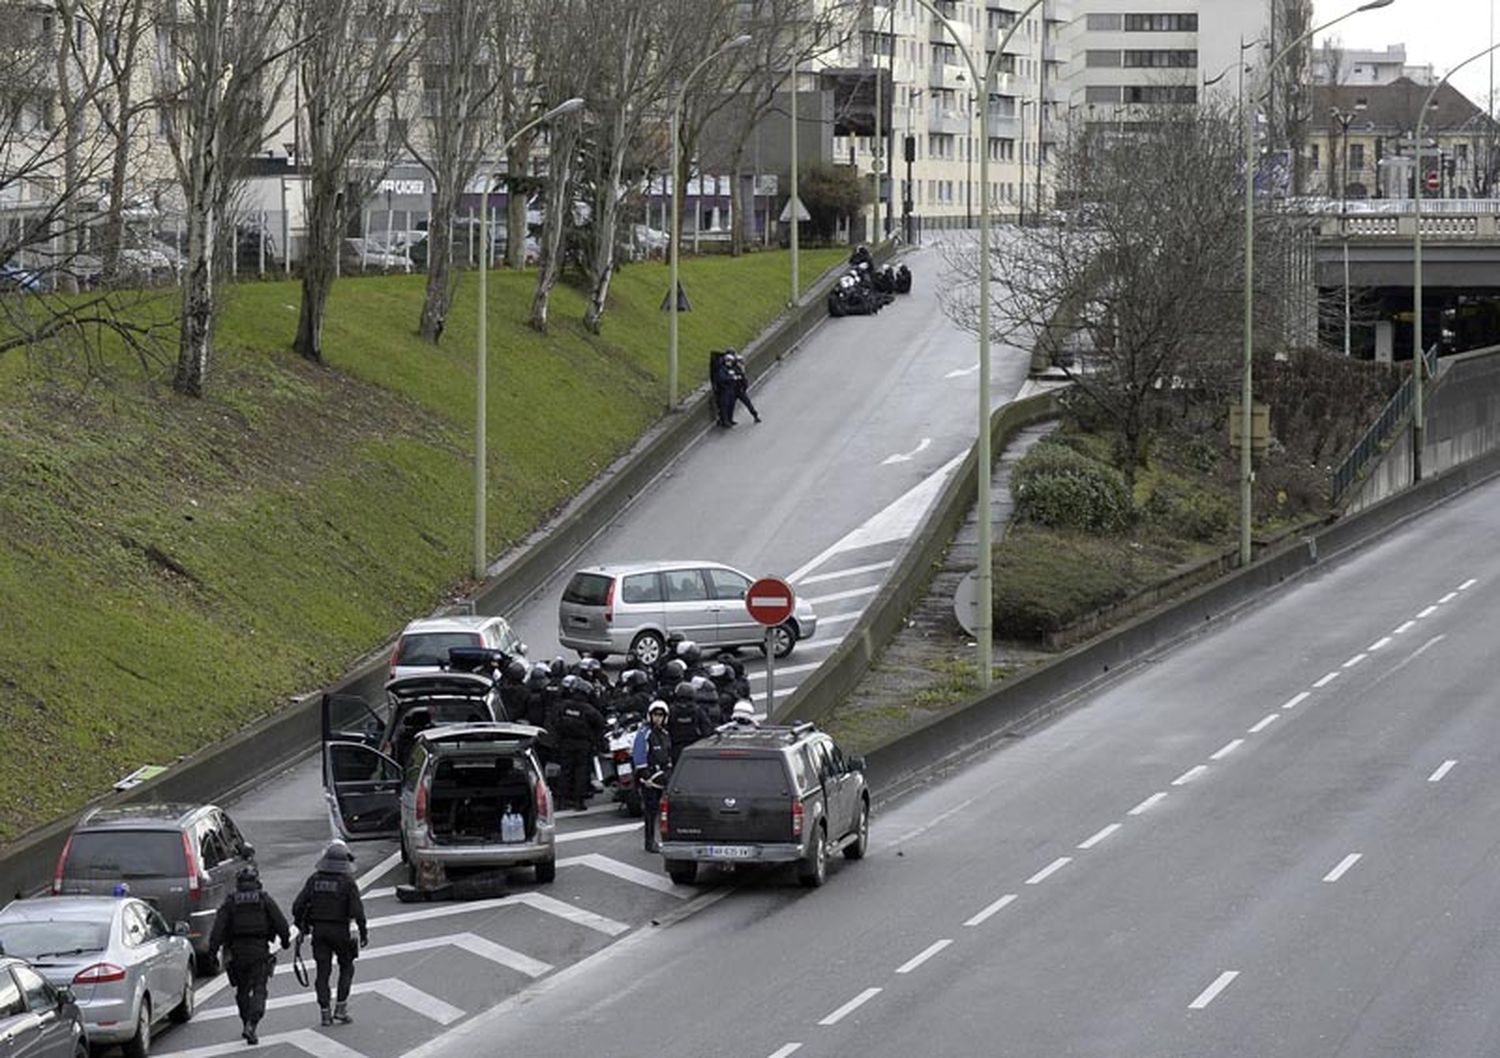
(65, 997)
(247, 850)
(521, 649)
(181, 929)
(857, 764)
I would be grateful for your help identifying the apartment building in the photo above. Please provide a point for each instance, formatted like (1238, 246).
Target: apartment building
(1333, 64)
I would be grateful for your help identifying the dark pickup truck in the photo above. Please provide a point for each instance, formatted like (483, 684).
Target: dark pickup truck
(764, 795)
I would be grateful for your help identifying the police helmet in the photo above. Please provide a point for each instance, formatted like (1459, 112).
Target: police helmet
(673, 670)
(635, 679)
(590, 666)
(559, 667)
(743, 710)
(572, 684)
(515, 670)
(539, 674)
(689, 652)
(657, 706)
(248, 877)
(707, 694)
(718, 672)
(684, 692)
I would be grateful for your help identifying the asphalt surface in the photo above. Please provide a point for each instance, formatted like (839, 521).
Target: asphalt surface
(1279, 839)
(860, 427)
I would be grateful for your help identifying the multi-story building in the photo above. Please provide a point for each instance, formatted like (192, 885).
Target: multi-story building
(1335, 65)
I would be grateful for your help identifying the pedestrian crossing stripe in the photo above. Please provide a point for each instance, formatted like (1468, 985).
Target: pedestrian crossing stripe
(391, 988)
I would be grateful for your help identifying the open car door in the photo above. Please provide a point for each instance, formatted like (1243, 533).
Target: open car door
(361, 784)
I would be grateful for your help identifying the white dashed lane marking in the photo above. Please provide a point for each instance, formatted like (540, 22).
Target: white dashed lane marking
(1355, 660)
(1296, 700)
(1209, 994)
(1442, 769)
(785, 1051)
(1189, 775)
(850, 1007)
(1265, 722)
(1448, 598)
(1403, 628)
(1048, 871)
(1378, 644)
(1343, 867)
(993, 909)
(1466, 585)
(1106, 832)
(1226, 749)
(922, 956)
(1427, 612)
(1149, 803)
(1326, 680)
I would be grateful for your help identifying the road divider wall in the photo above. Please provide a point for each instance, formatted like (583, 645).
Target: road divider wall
(251, 756)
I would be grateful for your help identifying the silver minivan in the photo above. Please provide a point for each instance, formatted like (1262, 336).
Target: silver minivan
(634, 609)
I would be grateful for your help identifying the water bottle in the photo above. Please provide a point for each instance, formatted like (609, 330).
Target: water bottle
(512, 826)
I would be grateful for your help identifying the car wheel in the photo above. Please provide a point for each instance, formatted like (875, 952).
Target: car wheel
(786, 640)
(814, 869)
(139, 1045)
(856, 849)
(546, 872)
(81, 1050)
(648, 647)
(183, 1012)
(682, 872)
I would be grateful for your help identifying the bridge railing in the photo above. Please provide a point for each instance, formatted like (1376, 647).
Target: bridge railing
(1477, 227)
(1373, 443)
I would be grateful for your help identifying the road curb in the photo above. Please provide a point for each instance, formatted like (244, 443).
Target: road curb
(284, 737)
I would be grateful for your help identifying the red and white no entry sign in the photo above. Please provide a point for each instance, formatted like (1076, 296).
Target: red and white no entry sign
(1434, 180)
(770, 601)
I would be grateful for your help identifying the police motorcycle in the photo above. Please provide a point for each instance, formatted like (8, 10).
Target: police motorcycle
(613, 765)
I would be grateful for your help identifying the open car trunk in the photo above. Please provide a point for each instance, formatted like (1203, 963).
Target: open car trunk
(470, 794)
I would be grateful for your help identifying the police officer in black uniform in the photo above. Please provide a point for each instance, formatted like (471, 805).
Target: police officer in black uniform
(632, 696)
(246, 922)
(513, 693)
(579, 729)
(687, 722)
(652, 754)
(329, 901)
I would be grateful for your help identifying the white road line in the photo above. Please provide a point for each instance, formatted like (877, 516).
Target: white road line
(1296, 700)
(784, 670)
(1378, 644)
(469, 942)
(1106, 832)
(537, 901)
(1402, 629)
(1189, 775)
(629, 872)
(1344, 864)
(960, 372)
(597, 832)
(782, 693)
(922, 956)
(1355, 660)
(850, 1007)
(992, 910)
(786, 1050)
(1427, 612)
(1048, 871)
(380, 894)
(1208, 995)
(1442, 769)
(1326, 680)
(1265, 722)
(1227, 749)
(907, 457)
(1448, 598)
(1434, 641)
(1148, 804)
(852, 571)
(378, 871)
(305, 1040)
(1466, 585)
(839, 618)
(391, 989)
(852, 593)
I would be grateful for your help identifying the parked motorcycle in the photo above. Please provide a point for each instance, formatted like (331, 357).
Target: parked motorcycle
(613, 767)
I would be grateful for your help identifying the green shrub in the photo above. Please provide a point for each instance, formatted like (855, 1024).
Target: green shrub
(1045, 581)
(1187, 512)
(1056, 486)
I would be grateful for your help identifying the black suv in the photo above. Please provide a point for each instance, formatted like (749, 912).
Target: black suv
(765, 795)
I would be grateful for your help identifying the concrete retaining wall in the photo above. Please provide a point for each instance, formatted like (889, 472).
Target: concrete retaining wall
(218, 772)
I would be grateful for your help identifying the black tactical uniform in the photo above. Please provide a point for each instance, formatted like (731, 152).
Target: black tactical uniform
(579, 729)
(329, 901)
(687, 722)
(246, 922)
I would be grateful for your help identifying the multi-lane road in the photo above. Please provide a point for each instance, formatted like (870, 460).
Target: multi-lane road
(860, 428)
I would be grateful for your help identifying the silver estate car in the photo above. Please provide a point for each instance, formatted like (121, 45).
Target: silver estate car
(634, 609)
(37, 1020)
(125, 967)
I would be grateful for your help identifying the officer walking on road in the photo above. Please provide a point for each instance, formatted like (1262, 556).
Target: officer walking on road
(579, 728)
(329, 901)
(246, 922)
(652, 757)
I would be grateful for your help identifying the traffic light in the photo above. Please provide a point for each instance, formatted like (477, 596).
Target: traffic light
(909, 148)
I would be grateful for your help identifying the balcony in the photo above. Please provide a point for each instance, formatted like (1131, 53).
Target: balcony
(955, 122)
(944, 75)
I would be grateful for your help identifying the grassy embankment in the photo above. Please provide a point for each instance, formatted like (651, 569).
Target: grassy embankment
(171, 569)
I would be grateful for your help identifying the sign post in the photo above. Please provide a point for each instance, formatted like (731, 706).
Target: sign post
(770, 601)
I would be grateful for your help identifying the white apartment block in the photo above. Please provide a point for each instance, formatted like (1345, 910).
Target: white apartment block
(1335, 65)
(935, 101)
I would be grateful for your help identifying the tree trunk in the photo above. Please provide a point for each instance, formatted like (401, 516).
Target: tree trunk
(559, 182)
(319, 260)
(114, 223)
(439, 261)
(515, 202)
(737, 226)
(602, 267)
(197, 298)
(72, 137)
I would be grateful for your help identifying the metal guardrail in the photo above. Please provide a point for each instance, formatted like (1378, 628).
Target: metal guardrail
(1373, 443)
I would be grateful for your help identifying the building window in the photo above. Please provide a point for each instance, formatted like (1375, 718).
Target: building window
(1099, 58)
(1104, 23)
(1157, 93)
(1313, 155)
(1160, 58)
(1101, 93)
(1357, 156)
(1169, 23)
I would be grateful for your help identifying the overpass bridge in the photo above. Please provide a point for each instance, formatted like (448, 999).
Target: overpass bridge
(1369, 246)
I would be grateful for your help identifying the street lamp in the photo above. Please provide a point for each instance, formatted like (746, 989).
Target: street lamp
(909, 148)
(481, 562)
(1419, 361)
(984, 630)
(675, 235)
(1345, 118)
(1021, 214)
(1247, 466)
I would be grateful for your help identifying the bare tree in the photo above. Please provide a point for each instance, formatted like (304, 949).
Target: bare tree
(458, 123)
(1151, 283)
(356, 55)
(222, 50)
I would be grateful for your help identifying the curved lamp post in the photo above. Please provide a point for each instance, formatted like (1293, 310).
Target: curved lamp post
(985, 77)
(481, 562)
(675, 235)
(1418, 360)
(1247, 466)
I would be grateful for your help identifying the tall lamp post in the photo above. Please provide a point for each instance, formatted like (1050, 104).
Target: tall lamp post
(909, 148)
(1021, 215)
(675, 235)
(1345, 118)
(984, 630)
(481, 373)
(1247, 402)
(1418, 359)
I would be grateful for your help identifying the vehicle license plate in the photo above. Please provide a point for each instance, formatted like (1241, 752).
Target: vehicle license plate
(624, 767)
(731, 852)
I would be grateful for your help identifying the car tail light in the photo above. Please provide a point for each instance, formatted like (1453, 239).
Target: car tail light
(101, 973)
(662, 823)
(396, 657)
(543, 800)
(609, 602)
(796, 819)
(195, 883)
(62, 859)
(421, 809)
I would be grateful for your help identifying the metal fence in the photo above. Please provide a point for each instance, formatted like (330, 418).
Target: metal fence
(1374, 442)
